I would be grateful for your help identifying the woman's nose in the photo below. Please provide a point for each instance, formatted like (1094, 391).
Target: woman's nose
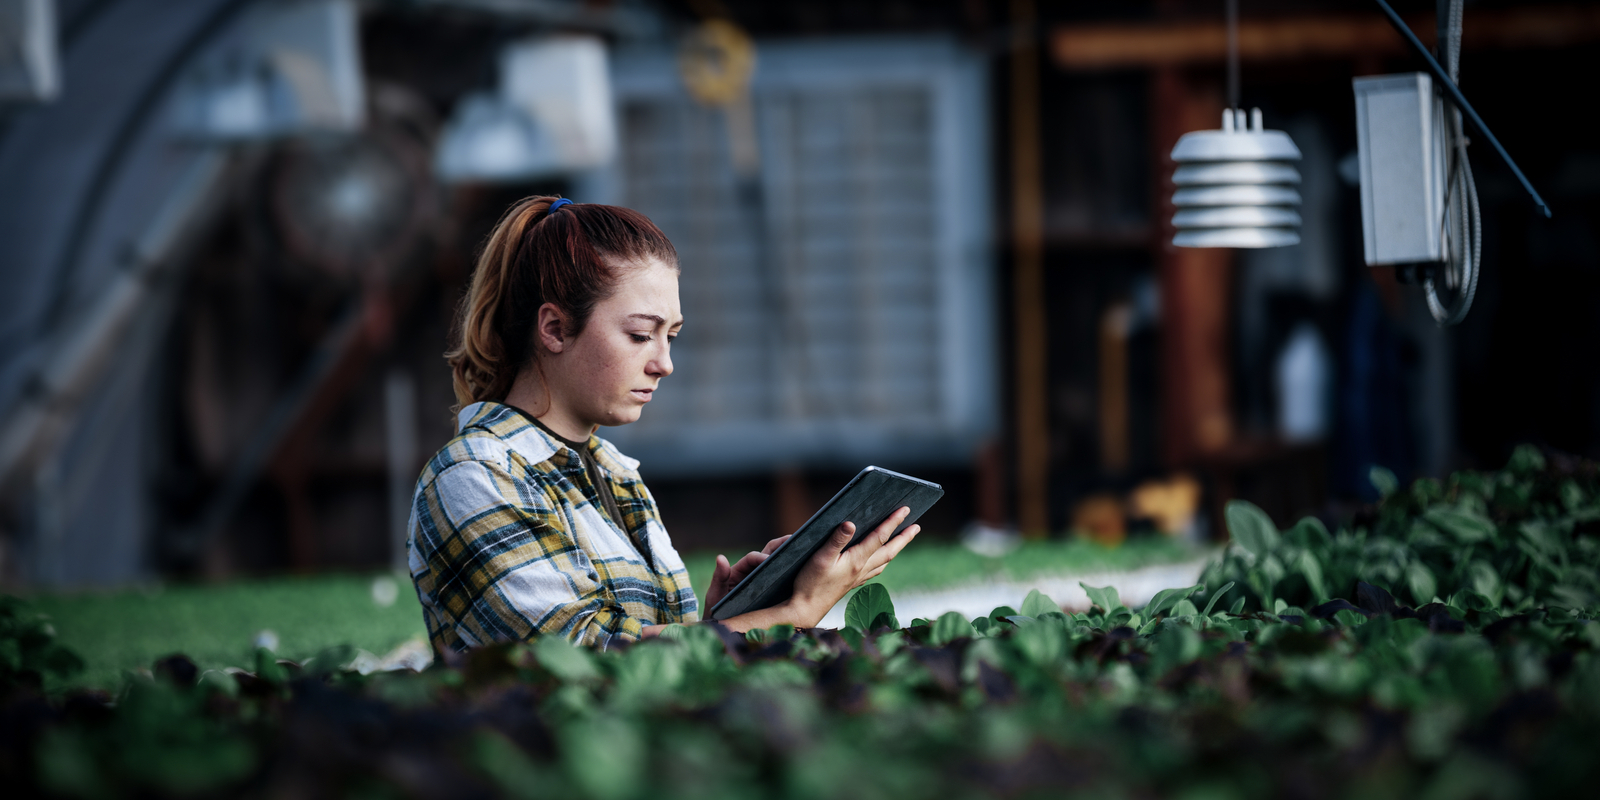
(661, 365)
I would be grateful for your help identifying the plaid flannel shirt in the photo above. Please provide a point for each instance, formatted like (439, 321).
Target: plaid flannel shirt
(507, 542)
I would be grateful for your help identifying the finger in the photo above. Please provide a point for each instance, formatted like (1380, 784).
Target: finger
(886, 530)
(881, 534)
(747, 564)
(885, 554)
(838, 541)
(775, 544)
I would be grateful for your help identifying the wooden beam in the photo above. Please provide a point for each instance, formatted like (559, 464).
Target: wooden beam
(1306, 38)
(1196, 407)
(1027, 231)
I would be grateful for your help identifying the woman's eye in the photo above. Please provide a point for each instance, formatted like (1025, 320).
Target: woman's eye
(639, 337)
(672, 337)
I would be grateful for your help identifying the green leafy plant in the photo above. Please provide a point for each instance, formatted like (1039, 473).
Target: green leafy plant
(1304, 663)
(29, 652)
(1509, 541)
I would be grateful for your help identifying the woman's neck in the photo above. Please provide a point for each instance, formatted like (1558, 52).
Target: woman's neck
(528, 394)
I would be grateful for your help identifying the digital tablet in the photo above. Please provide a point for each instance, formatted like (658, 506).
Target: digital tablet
(867, 500)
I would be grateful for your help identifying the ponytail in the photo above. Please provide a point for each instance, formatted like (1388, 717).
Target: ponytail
(571, 257)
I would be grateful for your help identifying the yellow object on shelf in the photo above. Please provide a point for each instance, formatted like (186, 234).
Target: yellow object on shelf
(1171, 504)
(1101, 519)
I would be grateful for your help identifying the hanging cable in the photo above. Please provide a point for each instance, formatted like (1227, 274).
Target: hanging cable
(1233, 53)
(1461, 225)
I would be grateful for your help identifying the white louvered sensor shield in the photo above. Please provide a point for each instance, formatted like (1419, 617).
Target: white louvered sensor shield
(1237, 186)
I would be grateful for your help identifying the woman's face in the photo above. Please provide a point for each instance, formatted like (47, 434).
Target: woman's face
(607, 373)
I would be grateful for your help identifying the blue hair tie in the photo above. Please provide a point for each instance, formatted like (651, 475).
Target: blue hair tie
(557, 204)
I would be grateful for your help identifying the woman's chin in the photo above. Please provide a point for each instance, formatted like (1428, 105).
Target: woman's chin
(622, 416)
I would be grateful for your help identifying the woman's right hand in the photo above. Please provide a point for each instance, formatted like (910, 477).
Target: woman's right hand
(726, 576)
(837, 568)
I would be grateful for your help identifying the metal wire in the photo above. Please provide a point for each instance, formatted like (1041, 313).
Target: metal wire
(1461, 224)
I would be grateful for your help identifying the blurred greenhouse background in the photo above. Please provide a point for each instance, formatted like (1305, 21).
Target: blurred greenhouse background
(932, 236)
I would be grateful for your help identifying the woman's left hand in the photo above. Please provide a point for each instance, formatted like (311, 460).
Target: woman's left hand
(728, 575)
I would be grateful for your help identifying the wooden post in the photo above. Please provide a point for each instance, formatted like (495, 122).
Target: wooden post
(1027, 230)
(1196, 412)
(792, 501)
(1115, 447)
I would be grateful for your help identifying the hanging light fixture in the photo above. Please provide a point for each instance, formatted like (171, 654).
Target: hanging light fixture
(1236, 186)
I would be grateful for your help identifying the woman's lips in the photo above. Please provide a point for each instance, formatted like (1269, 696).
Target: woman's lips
(643, 395)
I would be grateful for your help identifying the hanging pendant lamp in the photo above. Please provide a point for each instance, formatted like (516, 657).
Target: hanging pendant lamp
(1236, 186)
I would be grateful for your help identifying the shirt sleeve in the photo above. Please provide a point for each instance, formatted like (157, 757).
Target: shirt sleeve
(505, 567)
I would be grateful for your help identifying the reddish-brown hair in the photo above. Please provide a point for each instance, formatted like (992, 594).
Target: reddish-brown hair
(571, 258)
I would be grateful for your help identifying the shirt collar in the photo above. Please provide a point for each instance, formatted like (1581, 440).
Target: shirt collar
(533, 441)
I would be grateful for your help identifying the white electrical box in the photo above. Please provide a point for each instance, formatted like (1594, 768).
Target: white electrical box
(1400, 136)
(564, 83)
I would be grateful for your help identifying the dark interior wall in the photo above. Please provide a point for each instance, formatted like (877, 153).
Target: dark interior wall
(1529, 368)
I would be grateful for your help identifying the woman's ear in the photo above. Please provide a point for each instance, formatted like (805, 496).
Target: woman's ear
(552, 330)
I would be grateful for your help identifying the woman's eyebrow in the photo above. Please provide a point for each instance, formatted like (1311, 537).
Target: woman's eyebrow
(656, 318)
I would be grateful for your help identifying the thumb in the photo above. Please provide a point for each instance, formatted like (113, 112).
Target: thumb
(720, 573)
(841, 537)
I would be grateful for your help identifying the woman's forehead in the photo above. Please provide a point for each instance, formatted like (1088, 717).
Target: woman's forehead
(648, 293)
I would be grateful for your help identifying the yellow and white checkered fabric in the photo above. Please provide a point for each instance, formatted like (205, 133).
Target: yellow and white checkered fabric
(507, 541)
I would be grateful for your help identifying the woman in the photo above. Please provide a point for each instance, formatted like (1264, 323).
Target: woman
(527, 524)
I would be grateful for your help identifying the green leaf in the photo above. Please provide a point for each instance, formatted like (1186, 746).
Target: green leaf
(1167, 598)
(1178, 644)
(1237, 607)
(951, 626)
(507, 765)
(1309, 532)
(268, 668)
(866, 604)
(1383, 480)
(1041, 644)
(1036, 604)
(1466, 526)
(1525, 460)
(1420, 580)
(1486, 583)
(1312, 569)
(1104, 597)
(605, 756)
(1250, 527)
(570, 664)
(1571, 495)
(330, 660)
(1349, 619)
(852, 637)
(1215, 596)
(215, 680)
